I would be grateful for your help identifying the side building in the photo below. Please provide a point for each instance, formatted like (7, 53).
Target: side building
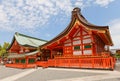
(23, 51)
(80, 45)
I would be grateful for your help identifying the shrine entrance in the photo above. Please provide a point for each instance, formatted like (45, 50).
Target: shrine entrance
(56, 52)
(44, 55)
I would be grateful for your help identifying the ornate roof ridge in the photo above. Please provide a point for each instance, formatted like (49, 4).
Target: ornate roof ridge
(77, 13)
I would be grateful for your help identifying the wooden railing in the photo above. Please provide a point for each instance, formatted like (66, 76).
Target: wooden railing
(21, 65)
(104, 63)
(15, 65)
(43, 64)
(81, 62)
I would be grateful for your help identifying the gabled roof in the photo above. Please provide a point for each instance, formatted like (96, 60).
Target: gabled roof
(76, 15)
(27, 41)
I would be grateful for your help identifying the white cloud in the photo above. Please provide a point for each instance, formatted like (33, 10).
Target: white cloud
(31, 15)
(103, 3)
(64, 5)
(79, 3)
(115, 32)
(3, 16)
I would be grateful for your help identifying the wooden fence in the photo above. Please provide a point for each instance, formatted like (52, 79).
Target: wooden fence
(84, 62)
(22, 66)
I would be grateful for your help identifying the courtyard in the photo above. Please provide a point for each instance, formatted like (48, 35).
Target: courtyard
(58, 74)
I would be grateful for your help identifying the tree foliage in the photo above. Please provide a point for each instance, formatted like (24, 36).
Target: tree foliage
(3, 51)
(117, 55)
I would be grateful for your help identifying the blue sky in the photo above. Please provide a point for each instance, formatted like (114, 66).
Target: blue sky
(45, 19)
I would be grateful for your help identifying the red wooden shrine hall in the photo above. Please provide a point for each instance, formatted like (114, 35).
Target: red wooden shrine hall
(80, 45)
(23, 51)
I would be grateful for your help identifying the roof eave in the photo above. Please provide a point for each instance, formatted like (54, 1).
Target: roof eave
(63, 33)
(76, 14)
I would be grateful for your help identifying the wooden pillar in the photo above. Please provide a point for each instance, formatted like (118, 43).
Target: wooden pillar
(92, 43)
(12, 60)
(81, 37)
(108, 49)
(71, 45)
(27, 60)
(51, 54)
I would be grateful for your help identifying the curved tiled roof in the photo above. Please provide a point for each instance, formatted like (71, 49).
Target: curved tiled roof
(76, 14)
(27, 41)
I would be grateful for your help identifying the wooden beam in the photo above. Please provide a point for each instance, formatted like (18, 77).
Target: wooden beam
(103, 37)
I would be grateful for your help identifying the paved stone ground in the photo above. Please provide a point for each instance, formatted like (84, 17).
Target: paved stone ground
(55, 74)
(6, 72)
(114, 79)
(117, 68)
(58, 74)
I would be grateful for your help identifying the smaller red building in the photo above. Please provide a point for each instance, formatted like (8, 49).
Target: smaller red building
(23, 51)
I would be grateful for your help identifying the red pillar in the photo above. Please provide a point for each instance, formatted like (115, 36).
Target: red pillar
(92, 43)
(51, 54)
(81, 37)
(26, 62)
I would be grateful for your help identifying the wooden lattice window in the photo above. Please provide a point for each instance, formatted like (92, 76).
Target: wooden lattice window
(23, 61)
(87, 46)
(76, 47)
(16, 60)
(31, 60)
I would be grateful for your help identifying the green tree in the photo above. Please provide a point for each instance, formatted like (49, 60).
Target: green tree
(0, 47)
(3, 51)
(117, 55)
